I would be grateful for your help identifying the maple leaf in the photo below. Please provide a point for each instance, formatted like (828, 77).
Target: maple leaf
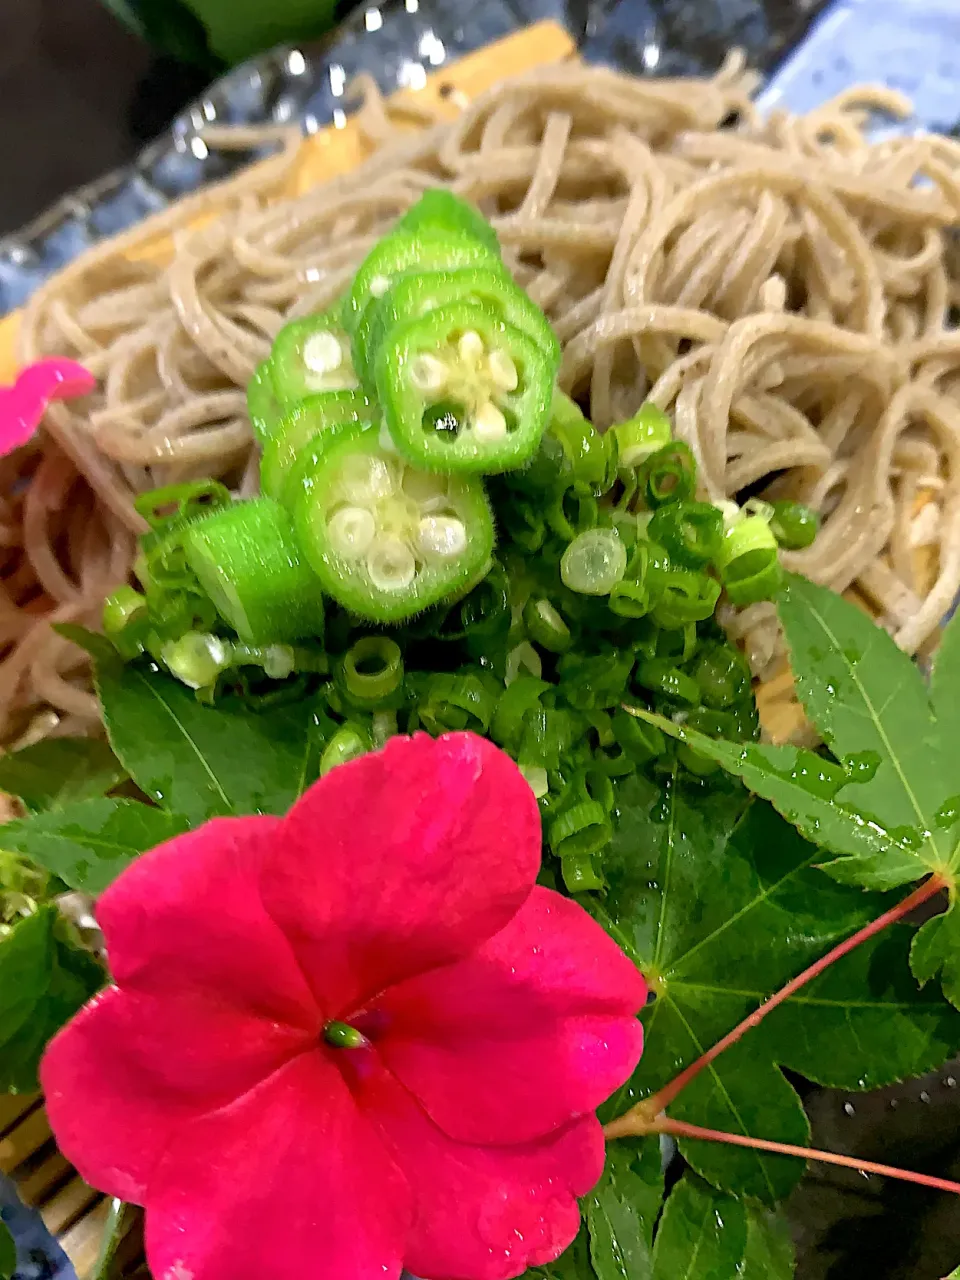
(719, 903)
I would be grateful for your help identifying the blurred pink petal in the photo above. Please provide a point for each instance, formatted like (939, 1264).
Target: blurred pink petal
(23, 405)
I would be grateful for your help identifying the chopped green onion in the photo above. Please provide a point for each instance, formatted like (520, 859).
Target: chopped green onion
(581, 830)
(372, 670)
(589, 457)
(383, 727)
(579, 873)
(522, 659)
(517, 699)
(669, 475)
(630, 598)
(794, 525)
(685, 596)
(196, 659)
(659, 675)
(594, 682)
(748, 581)
(482, 612)
(525, 525)
(594, 562)
(196, 498)
(348, 743)
(126, 620)
(545, 626)
(572, 511)
(639, 740)
(752, 533)
(548, 735)
(537, 778)
(723, 676)
(457, 702)
(689, 531)
(748, 563)
(120, 609)
(647, 431)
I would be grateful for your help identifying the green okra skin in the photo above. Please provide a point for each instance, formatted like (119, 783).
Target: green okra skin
(310, 356)
(462, 391)
(427, 249)
(416, 293)
(247, 559)
(263, 408)
(316, 414)
(441, 210)
(385, 538)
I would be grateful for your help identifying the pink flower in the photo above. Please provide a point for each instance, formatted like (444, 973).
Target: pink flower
(23, 405)
(354, 1039)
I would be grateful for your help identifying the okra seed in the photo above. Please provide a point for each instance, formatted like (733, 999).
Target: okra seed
(365, 479)
(489, 423)
(391, 565)
(379, 286)
(428, 490)
(322, 353)
(503, 371)
(442, 536)
(428, 374)
(385, 440)
(470, 346)
(351, 530)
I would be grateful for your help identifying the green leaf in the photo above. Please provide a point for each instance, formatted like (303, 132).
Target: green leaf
(8, 1254)
(769, 1252)
(810, 792)
(59, 770)
(702, 1234)
(573, 1263)
(88, 843)
(719, 903)
(945, 691)
(203, 761)
(868, 700)
(237, 29)
(886, 807)
(44, 980)
(936, 952)
(622, 1209)
(864, 1023)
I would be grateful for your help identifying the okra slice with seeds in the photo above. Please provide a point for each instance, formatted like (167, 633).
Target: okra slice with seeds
(462, 390)
(386, 539)
(247, 560)
(297, 428)
(309, 356)
(440, 210)
(403, 251)
(417, 293)
(263, 408)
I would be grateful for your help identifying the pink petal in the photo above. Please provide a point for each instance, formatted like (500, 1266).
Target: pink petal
(289, 1181)
(130, 1069)
(188, 916)
(23, 405)
(486, 1213)
(536, 1027)
(401, 861)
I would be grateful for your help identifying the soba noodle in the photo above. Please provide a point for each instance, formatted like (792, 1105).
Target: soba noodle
(782, 286)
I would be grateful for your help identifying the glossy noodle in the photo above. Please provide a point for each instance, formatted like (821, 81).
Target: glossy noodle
(781, 286)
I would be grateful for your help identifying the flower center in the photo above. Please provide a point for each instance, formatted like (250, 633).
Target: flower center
(342, 1036)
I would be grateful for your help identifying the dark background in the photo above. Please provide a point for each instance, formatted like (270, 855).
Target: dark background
(78, 96)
